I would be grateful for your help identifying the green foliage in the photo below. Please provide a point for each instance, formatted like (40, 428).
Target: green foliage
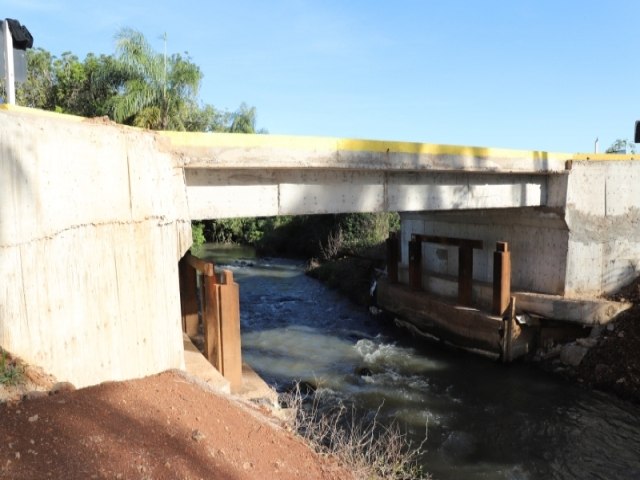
(248, 231)
(38, 89)
(10, 372)
(161, 90)
(67, 85)
(320, 236)
(197, 233)
(621, 145)
(137, 86)
(243, 120)
(363, 230)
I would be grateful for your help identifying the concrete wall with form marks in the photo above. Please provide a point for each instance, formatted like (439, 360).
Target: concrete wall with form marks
(603, 218)
(93, 221)
(583, 241)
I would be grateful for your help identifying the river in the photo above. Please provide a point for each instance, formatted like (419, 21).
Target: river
(484, 420)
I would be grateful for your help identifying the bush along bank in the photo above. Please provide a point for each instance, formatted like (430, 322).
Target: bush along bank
(349, 255)
(352, 274)
(343, 250)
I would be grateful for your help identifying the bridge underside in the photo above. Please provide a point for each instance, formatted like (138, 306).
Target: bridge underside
(228, 193)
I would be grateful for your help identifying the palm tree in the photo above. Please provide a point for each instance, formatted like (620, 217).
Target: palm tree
(161, 90)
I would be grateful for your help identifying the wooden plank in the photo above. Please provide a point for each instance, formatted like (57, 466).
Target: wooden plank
(230, 330)
(415, 264)
(188, 297)
(393, 256)
(461, 326)
(451, 241)
(211, 322)
(501, 278)
(465, 274)
(202, 266)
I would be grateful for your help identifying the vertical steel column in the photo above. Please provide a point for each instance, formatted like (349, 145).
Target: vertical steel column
(188, 297)
(501, 278)
(415, 263)
(465, 274)
(229, 321)
(393, 247)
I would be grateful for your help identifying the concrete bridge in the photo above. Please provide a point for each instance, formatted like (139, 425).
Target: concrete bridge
(281, 175)
(94, 218)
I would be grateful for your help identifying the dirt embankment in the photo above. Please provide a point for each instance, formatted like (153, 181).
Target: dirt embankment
(165, 426)
(611, 361)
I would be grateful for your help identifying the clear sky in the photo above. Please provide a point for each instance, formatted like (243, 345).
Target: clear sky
(529, 74)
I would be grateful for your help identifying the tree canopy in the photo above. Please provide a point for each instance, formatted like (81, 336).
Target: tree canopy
(135, 86)
(621, 145)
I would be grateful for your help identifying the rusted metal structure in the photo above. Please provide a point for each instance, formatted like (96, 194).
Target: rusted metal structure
(219, 312)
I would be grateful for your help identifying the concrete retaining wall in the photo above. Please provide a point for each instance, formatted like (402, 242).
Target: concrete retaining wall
(603, 217)
(584, 241)
(537, 239)
(93, 221)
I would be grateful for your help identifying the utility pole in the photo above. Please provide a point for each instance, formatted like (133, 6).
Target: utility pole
(9, 77)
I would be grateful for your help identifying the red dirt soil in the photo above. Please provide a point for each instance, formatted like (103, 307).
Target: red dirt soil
(166, 426)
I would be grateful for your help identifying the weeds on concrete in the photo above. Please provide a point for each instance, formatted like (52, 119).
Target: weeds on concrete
(10, 372)
(371, 450)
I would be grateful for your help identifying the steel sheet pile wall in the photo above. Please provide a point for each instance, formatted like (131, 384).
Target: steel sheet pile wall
(93, 221)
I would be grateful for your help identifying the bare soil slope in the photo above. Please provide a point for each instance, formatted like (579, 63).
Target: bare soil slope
(165, 426)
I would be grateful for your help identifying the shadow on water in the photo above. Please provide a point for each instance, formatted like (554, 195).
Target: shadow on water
(485, 420)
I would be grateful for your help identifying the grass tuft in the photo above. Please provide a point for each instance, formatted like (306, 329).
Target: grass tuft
(371, 450)
(10, 372)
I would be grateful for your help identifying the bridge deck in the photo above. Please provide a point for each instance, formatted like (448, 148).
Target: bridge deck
(229, 150)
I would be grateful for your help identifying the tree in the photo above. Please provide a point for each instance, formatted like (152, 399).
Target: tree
(37, 91)
(67, 85)
(243, 120)
(161, 91)
(207, 119)
(101, 79)
(621, 146)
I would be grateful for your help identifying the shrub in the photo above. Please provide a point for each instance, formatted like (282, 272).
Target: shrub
(197, 233)
(10, 372)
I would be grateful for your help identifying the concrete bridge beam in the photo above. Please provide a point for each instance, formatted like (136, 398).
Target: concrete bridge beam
(214, 193)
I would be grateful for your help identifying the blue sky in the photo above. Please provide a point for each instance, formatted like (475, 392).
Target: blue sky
(529, 74)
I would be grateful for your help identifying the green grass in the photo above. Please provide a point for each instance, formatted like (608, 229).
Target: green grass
(10, 372)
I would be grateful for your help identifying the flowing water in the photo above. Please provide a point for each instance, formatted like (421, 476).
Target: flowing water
(484, 420)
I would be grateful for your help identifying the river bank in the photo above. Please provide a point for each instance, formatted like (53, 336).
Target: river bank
(607, 360)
